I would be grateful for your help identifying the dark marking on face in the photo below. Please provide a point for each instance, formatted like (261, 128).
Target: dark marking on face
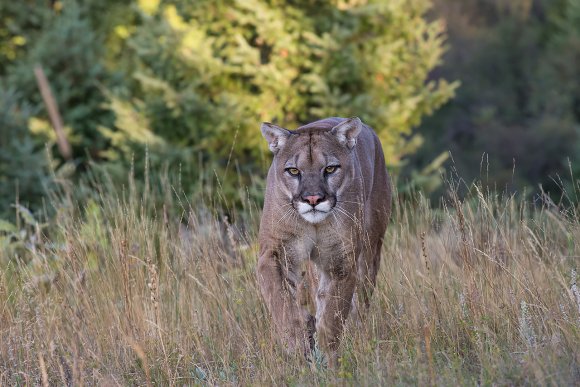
(310, 147)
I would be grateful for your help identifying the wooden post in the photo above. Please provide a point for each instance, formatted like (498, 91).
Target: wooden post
(50, 103)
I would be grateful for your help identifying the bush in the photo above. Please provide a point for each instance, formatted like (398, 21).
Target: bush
(206, 74)
(23, 162)
(70, 52)
(189, 82)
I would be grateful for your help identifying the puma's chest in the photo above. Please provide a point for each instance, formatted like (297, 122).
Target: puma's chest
(320, 244)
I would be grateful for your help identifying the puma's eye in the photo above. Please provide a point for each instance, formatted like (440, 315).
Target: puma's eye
(293, 171)
(330, 169)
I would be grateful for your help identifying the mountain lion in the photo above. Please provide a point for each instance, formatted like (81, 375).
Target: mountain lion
(327, 204)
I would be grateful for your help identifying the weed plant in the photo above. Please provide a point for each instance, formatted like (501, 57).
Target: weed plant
(126, 286)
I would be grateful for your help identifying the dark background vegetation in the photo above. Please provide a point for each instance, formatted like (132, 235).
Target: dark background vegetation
(514, 122)
(495, 83)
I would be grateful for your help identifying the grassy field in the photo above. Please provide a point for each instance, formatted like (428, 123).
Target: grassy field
(136, 287)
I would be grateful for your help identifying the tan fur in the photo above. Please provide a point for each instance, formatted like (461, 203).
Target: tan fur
(314, 266)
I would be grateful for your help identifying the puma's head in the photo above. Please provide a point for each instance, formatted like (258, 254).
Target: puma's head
(313, 167)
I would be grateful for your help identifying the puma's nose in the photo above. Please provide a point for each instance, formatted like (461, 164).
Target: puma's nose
(313, 199)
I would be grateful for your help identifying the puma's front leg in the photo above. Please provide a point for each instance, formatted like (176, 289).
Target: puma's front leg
(333, 302)
(277, 280)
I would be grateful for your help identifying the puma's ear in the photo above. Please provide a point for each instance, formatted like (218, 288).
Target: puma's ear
(275, 135)
(347, 131)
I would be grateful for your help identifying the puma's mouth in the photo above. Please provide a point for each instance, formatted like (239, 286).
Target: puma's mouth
(314, 214)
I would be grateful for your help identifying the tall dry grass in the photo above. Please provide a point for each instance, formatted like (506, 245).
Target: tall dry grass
(129, 288)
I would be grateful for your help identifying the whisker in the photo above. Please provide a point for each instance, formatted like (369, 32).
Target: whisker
(345, 213)
(295, 219)
(347, 201)
(335, 218)
(285, 215)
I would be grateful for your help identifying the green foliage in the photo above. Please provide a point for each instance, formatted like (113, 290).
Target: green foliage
(69, 51)
(19, 238)
(206, 74)
(61, 38)
(188, 83)
(23, 162)
(19, 25)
